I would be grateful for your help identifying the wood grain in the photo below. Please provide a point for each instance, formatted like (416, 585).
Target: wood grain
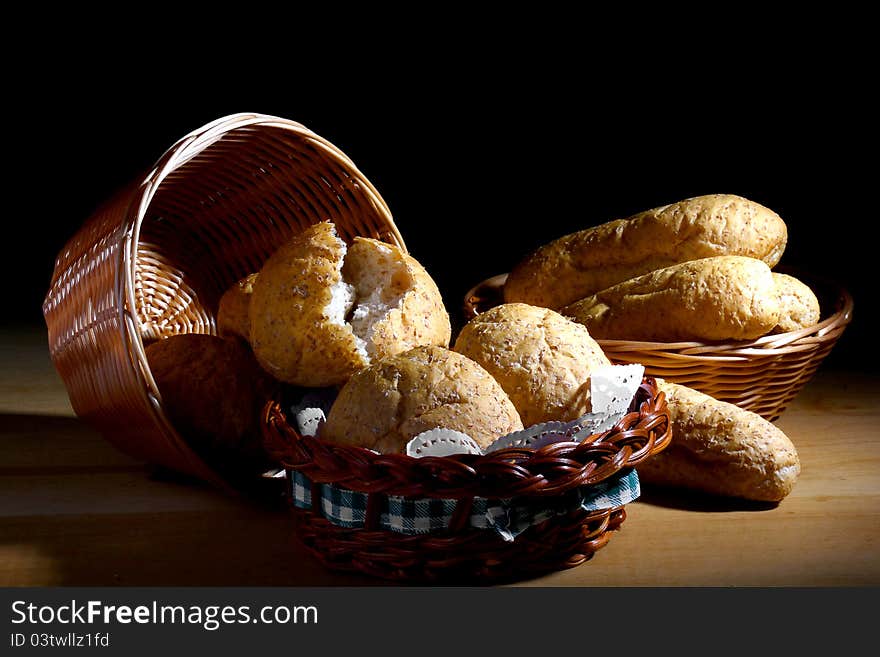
(74, 511)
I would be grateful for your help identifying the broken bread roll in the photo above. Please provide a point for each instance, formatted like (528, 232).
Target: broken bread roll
(395, 399)
(798, 305)
(322, 310)
(583, 263)
(722, 449)
(234, 311)
(723, 298)
(541, 359)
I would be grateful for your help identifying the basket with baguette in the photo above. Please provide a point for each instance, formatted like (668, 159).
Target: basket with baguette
(693, 291)
(255, 267)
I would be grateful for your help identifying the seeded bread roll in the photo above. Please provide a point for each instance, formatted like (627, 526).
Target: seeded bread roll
(213, 391)
(583, 263)
(387, 404)
(541, 359)
(320, 311)
(722, 449)
(798, 305)
(233, 314)
(723, 298)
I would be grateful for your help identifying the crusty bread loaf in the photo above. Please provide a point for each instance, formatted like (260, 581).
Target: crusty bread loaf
(213, 391)
(583, 263)
(722, 298)
(722, 449)
(233, 313)
(541, 359)
(387, 404)
(321, 311)
(798, 305)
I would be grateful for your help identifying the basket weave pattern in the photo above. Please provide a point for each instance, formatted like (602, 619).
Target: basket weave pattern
(469, 555)
(761, 375)
(463, 551)
(155, 259)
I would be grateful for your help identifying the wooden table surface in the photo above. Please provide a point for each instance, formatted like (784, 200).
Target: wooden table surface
(74, 511)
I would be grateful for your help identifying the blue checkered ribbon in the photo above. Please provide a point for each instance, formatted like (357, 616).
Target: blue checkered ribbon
(509, 518)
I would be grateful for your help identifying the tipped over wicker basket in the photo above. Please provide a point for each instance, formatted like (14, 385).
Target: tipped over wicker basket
(761, 375)
(154, 260)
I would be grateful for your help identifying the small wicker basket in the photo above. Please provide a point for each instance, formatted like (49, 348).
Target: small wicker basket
(462, 553)
(154, 260)
(761, 375)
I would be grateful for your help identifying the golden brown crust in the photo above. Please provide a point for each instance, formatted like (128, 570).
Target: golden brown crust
(320, 311)
(722, 449)
(541, 359)
(421, 317)
(292, 334)
(233, 313)
(213, 391)
(798, 305)
(583, 263)
(387, 404)
(723, 298)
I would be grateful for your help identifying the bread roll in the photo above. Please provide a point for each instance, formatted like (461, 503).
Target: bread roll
(541, 359)
(798, 305)
(723, 298)
(320, 311)
(398, 305)
(387, 404)
(583, 263)
(233, 314)
(213, 392)
(722, 449)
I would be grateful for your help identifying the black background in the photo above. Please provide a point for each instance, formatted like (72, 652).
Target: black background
(480, 159)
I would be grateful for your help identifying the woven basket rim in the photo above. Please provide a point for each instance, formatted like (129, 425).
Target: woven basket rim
(767, 345)
(562, 465)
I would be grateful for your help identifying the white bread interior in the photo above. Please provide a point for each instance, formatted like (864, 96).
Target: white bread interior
(378, 291)
(364, 296)
(343, 297)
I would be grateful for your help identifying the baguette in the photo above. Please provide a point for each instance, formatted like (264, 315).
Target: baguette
(722, 449)
(723, 298)
(583, 263)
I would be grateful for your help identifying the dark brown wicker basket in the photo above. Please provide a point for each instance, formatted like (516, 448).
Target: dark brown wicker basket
(463, 553)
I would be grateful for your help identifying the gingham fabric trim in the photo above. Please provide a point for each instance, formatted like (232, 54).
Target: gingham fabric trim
(512, 519)
(509, 518)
